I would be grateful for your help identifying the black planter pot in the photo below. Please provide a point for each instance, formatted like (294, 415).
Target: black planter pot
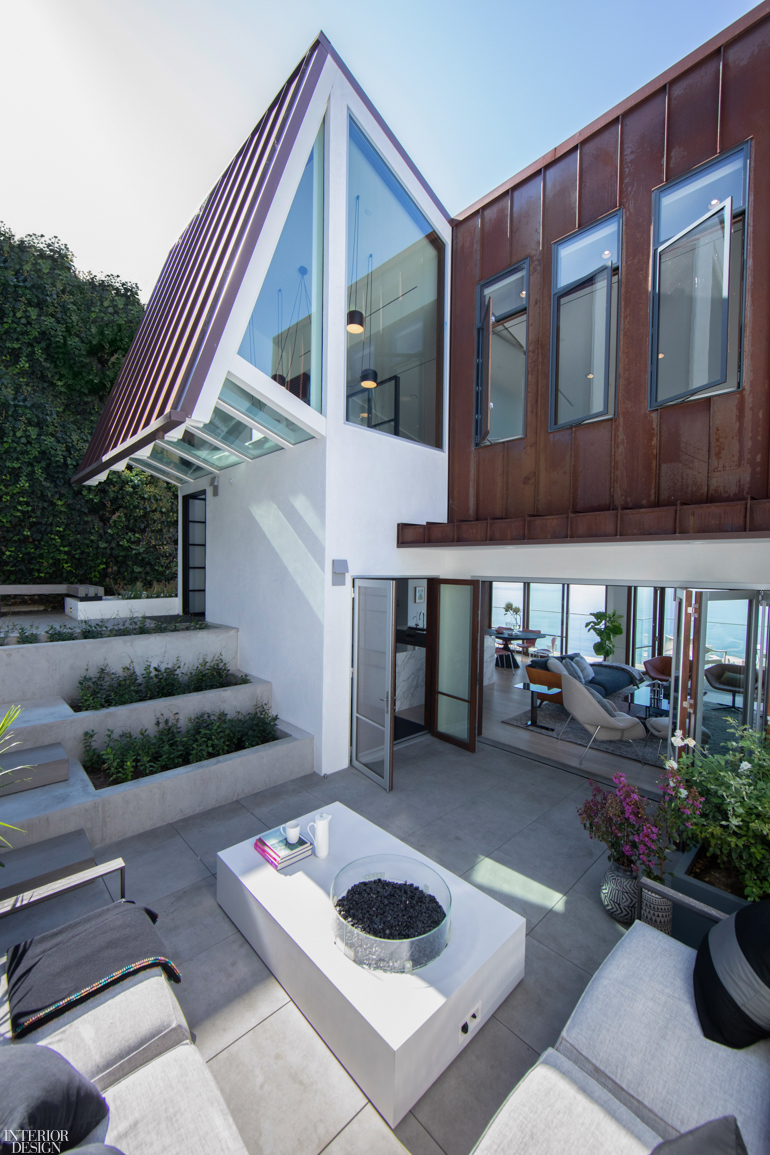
(688, 927)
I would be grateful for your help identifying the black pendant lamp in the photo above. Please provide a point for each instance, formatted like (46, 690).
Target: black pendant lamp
(355, 321)
(369, 379)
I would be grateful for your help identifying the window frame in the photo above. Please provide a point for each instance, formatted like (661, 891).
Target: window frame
(480, 387)
(607, 412)
(657, 247)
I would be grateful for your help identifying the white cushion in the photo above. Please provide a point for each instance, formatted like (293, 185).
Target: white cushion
(555, 666)
(583, 666)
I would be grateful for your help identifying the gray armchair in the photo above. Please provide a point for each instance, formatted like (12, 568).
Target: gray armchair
(594, 718)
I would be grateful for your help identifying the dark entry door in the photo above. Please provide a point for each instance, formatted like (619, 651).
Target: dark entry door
(455, 636)
(194, 553)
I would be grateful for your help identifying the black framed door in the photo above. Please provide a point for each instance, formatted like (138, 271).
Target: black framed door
(194, 553)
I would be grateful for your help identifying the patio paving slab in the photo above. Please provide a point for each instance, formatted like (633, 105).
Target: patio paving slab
(286, 1091)
(539, 1007)
(555, 862)
(462, 1101)
(191, 920)
(208, 833)
(368, 1133)
(225, 992)
(580, 929)
(415, 1138)
(155, 866)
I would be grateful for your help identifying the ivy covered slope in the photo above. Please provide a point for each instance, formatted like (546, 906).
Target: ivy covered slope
(63, 337)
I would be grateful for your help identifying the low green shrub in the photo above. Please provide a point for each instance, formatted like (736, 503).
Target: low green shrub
(61, 634)
(107, 688)
(126, 756)
(153, 590)
(27, 636)
(734, 822)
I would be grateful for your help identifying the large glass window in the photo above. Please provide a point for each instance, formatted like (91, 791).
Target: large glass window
(501, 379)
(583, 601)
(698, 273)
(504, 594)
(584, 324)
(283, 336)
(546, 613)
(395, 313)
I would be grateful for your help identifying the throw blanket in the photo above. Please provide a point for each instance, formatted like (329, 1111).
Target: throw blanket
(637, 675)
(56, 971)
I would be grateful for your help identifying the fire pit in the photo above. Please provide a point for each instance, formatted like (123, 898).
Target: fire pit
(391, 913)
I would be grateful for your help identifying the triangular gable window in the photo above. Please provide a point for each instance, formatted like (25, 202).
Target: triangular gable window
(283, 336)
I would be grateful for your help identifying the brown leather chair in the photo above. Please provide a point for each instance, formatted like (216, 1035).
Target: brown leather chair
(545, 678)
(729, 678)
(659, 668)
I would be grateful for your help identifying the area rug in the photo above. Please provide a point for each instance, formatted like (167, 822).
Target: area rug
(551, 714)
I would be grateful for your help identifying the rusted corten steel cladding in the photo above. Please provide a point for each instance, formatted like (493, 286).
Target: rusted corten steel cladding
(694, 468)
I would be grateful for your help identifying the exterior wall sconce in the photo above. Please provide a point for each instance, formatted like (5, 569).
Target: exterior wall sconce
(339, 571)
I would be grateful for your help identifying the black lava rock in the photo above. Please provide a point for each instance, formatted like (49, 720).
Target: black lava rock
(390, 910)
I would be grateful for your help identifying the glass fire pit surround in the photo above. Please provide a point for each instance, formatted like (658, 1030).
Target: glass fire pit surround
(398, 955)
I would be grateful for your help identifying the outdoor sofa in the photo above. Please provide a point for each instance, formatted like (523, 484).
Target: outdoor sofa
(133, 1042)
(632, 1067)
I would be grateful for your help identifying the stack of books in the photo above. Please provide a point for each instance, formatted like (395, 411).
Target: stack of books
(278, 852)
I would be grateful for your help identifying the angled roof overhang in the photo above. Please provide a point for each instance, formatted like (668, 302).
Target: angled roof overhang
(171, 357)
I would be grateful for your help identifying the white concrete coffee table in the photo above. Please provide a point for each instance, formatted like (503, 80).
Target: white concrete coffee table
(393, 1033)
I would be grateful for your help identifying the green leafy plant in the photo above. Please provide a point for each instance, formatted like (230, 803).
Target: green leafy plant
(63, 337)
(108, 688)
(154, 590)
(5, 745)
(127, 756)
(102, 629)
(734, 823)
(61, 634)
(26, 636)
(606, 624)
(514, 612)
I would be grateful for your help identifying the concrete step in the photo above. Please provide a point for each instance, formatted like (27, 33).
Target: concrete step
(34, 866)
(35, 711)
(33, 767)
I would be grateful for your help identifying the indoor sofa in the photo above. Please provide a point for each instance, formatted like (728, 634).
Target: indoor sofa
(132, 1041)
(606, 678)
(632, 1067)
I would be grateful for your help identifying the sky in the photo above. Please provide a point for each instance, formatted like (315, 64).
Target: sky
(118, 116)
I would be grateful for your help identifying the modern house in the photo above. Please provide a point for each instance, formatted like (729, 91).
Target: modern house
(385, 422)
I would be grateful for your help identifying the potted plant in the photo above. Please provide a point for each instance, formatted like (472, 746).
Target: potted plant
(607, 626)
(615, 818)
(514, 613)
(733, 826)
(640, 836)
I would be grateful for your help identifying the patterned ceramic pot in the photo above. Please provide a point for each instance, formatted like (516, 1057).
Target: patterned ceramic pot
(657, 911)
(619, 890)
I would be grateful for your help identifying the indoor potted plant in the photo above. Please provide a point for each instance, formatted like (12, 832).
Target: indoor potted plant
(514, 613)
(607, 626)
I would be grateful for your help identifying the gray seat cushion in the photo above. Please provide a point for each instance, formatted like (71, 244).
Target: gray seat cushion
(610, 680)
(555, 1109)
(171, 1104)
(636, 1031)
(118, 1030)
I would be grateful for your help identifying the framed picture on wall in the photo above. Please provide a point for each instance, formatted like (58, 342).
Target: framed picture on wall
(419, 593)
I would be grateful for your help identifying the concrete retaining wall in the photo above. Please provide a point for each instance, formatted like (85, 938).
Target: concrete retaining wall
(52, 669)
(137, 716)
(133, 807)
(119, 608)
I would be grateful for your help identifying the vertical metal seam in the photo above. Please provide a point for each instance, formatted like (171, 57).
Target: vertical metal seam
(577, 185)
(665, 140)
(719, 105)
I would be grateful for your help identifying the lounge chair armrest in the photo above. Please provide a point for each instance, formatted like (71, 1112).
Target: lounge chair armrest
(62, 885)
(680, 900)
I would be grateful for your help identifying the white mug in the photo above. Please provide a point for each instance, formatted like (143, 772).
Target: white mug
(290, 831)
(320, 839)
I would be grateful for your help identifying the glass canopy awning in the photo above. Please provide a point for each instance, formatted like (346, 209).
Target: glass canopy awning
(241, 428)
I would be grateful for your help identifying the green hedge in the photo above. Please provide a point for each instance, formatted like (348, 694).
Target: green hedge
(63, 337)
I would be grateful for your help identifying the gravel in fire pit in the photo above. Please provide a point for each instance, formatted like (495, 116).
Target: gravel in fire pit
(391, 910)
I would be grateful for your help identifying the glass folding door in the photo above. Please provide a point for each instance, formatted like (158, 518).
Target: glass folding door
(373, 688)
(456, 637)
(727, 671)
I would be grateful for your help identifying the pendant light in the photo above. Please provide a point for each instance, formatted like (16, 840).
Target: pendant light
(368, 376)
(356, 320)
(369, 379)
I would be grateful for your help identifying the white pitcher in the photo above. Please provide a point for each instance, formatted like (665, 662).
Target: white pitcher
(320, 834)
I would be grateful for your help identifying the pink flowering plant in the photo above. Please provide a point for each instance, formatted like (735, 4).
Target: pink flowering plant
(616, 818)
(640, 835)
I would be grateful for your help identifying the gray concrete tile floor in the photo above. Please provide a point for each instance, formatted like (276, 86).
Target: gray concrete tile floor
(505, 823)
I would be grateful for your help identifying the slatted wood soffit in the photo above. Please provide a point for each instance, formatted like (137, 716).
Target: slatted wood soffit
(165, 368)
(699, 467)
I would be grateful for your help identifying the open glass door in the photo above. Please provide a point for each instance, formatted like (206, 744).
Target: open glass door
(373, 689)
(727, 674)
(455, 611)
